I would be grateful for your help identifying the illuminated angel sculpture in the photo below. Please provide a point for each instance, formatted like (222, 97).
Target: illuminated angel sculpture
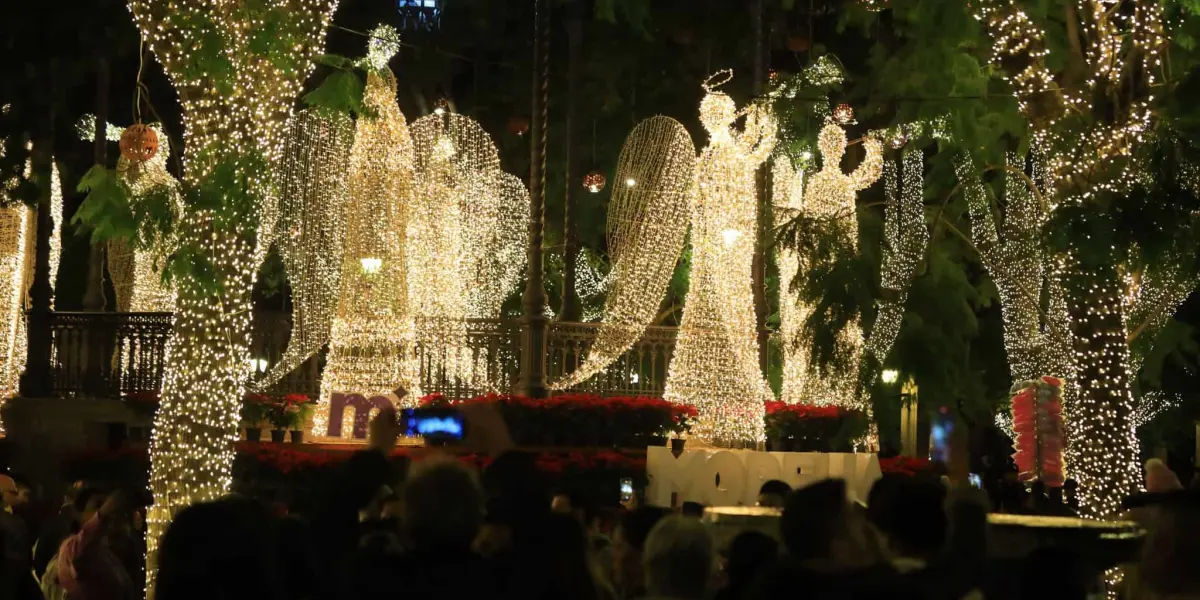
(137, 276)
(660, 187)
(465, 239)
(372, 348)
(716, 364)
(830, 194)
(389, 238)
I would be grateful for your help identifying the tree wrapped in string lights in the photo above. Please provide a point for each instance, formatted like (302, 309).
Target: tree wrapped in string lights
(237, 67)
(1090, 113)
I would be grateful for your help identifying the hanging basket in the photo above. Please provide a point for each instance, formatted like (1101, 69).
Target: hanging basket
(138, 143)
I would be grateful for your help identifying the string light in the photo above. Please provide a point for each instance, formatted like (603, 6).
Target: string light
(233, 122)
(372, 348)
(715, 366)
(645, 232)
(312, 228)
(830, 195)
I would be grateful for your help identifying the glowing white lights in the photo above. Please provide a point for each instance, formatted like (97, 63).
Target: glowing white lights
(371, 266)
(234, 123)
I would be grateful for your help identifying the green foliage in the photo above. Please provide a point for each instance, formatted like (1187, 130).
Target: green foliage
(340, 92)
(106, 210)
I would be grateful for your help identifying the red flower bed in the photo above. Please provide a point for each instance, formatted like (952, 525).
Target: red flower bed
(584, 419)
(905, 465)
(812, 428)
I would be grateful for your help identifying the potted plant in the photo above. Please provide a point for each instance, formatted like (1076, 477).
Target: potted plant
(255, 408)
(282, 419)
(683, 418)
(299, 407)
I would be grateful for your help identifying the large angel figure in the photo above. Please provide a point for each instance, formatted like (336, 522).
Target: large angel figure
(372, 341)
(716, 365)
(661, 187)
(388, 233)
(465, 236)
(830, 194)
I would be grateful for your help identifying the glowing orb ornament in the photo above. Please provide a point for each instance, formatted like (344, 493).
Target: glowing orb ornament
(594, 182)
(139, 143)
(843, 114)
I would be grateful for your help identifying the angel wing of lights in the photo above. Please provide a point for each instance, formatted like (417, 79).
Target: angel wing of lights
(647, 222)
(311, 228)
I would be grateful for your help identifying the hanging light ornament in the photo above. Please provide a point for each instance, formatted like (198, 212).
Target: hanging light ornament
(441, 106)
(139, 143)
(900, 139)
(594, 181)
(843, 114)
(518, 124)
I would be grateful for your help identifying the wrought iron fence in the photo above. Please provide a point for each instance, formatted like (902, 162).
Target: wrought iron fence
(105, 354)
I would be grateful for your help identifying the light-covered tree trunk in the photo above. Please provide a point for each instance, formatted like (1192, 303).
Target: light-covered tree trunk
(237, 67)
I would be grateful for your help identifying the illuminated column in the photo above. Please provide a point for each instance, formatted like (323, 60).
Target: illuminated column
(715, 366)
